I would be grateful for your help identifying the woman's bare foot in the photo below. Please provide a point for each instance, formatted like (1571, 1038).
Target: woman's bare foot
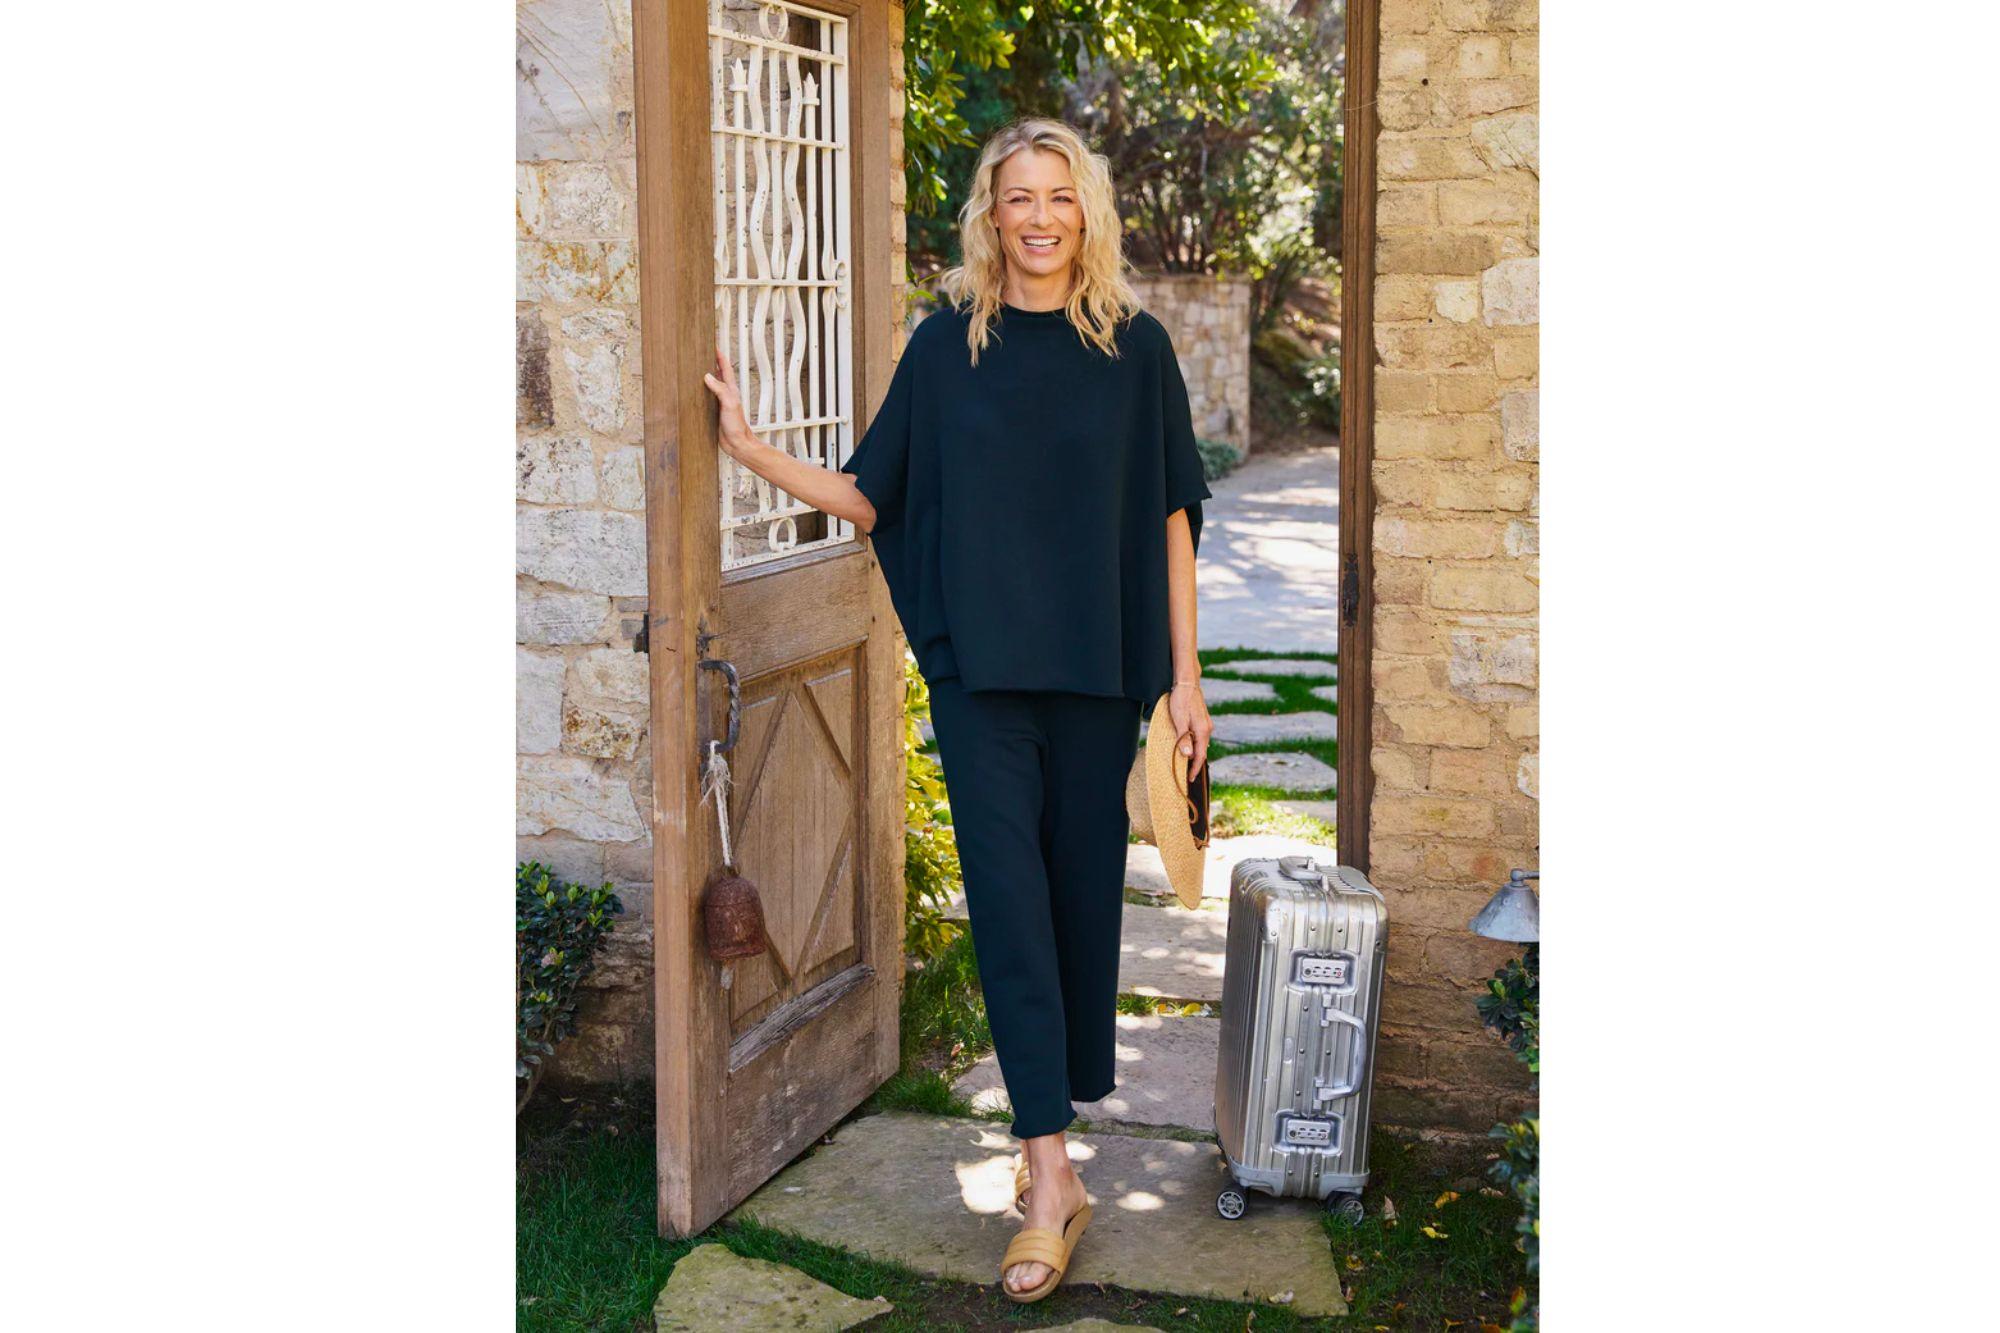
(1048, 1165)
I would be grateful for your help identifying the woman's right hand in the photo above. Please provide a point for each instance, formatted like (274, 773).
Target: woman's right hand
(721, 382)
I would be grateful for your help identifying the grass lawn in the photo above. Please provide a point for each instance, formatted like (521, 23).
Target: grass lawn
(588, 1257)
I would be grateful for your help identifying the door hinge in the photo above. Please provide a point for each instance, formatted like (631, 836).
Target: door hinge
(1350, 587)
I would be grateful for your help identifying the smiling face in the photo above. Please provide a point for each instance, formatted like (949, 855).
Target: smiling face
(1039, 217)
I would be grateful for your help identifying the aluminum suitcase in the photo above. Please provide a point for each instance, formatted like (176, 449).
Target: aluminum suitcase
(1301, 1002)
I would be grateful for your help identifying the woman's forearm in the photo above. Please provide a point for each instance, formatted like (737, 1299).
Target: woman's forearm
(1180, 596)
(824, 489)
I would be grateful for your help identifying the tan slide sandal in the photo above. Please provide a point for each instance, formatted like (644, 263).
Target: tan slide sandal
(1041, 1245)
(1021, 1185)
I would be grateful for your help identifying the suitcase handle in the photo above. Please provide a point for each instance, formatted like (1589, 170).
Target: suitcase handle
(1357, 1063)
(1308, 871)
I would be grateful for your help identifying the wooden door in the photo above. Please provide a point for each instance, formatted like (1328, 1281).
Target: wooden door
(764, 219)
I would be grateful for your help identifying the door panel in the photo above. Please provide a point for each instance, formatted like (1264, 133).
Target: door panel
(764, 223)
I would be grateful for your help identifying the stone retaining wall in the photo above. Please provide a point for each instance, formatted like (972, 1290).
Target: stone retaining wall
(1209, 320)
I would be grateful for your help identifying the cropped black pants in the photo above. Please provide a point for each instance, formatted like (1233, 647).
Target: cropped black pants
(1036, 780)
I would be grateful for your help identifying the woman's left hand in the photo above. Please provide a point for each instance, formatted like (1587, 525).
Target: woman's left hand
(1189, 712)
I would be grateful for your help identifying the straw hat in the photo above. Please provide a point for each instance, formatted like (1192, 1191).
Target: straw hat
(1166, 809)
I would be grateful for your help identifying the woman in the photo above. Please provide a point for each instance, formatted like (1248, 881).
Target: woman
(1032, 491)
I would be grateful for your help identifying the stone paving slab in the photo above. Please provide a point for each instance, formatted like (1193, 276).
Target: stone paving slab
(935, 1194)
(1276, 666)
(1220, 690)
(1165, 1071)
(715, 1290)
(1327, 810)
(1290, 769)
(1330, 693)
(1172, 953)
(1145, 871)
(1263, 728)
(1166, 952)
(1096, 1325)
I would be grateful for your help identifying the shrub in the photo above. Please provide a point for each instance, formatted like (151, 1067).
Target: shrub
(558, 929)
(930, 849)
(1512, 1008)
(1218, 457)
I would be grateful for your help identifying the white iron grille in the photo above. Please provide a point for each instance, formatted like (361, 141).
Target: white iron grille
(778, 101)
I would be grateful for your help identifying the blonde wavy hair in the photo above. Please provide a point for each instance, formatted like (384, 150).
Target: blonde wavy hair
(1100, 297)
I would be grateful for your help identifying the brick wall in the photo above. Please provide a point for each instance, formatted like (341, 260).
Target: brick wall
(1457, 576)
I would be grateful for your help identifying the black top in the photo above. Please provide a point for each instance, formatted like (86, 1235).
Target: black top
(1021, 505)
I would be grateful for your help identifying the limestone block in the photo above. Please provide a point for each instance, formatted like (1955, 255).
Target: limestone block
(1485, 773)
(537, 701)
(1437, 724)
(576, 861)
(1425, 155)
(1403, 61)
(1486, 96)
(1482, 590)
(555, 469)
(566, 72)
(1464, 392)
(1521, 425)
(1517, 356)
(1482, 658)
(569, 272)
(582, 549)
(1511, 291)
(1481, 57)
(1509, 143)
(551, 616)
(579, 796)
(1436, 816)
(604, 708)
(573, 200)
(1490, 15)
(1458, 301)
(1523, 538)
(1528, 775)
(1446, 541)
(622, 479)
(1461, 252)
(534, 398)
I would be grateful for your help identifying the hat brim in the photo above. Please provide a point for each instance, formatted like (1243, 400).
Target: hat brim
(1166, 794)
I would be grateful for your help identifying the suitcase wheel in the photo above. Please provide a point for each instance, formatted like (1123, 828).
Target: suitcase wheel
(1345, 1207)
(1231, 1203)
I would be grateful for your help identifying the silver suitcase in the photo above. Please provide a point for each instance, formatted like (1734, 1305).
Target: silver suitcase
(1301, 1000)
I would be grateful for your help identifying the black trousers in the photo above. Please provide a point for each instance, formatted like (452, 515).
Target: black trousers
(1037, 786)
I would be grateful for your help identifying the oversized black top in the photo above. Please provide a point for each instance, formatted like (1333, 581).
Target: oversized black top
(1021, 505)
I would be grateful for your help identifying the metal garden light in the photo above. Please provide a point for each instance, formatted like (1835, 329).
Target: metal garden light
(1514, 913)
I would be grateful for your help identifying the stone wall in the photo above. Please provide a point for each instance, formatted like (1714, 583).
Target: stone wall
(584, 777)
(581, 691)
(1209, 319)
(1457, 577)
